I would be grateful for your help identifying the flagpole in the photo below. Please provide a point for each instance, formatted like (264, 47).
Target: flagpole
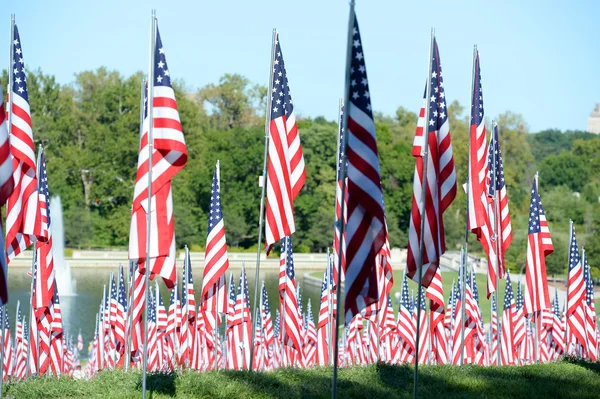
(329, 305)
(425, 152)
(466, 249)
(10, 75)
(343, 172)
(535, 315)
(149, 213)
(243, 292)
(263, 180)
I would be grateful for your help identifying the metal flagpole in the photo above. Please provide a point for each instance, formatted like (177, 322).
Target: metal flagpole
(33, 258)
(283, 312)
(102, 316)
(497, 233)
(466, 248)
(217, 287)
(186, 312)
(149, 213)
(243, 292)
(263, 180)
(110, 331)
(425, 152)
(343, 171)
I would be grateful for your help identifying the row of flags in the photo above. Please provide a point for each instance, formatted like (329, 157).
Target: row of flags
(188, 334)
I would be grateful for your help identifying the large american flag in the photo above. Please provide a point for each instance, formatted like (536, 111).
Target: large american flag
(576, 288)
(338, 220)
(291, 325)
(507, 343)
(22, 209)
(441, 179)
(590, 312)
(45, 278)
(214, 292)
(169, 156)
(366, 229)
(6, 188)
(497, 190)
(286, 172)
(479, 211)
(539, 245)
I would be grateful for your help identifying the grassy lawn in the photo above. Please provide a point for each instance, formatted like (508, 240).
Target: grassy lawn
(561, 380)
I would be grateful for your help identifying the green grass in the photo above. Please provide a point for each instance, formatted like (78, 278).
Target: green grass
(568, 379)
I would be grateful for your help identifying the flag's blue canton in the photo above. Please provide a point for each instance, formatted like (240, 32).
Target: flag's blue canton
(341, 146)
(324, 284)
(151, 306)
(331, 275)
(172, 297)
(457, 293)
(43, 186)
(475, 291)
(265, 299)
(422, 291)
(496, 179)
(289, 256)
(389, 301)
(405, 299)
(245, 282)
(190, 280)
(556, 306)
(160, 299)
(519, 297)
(437, 99)
(589, 284)
(574, 258)
(299, 295)
(276, 326)
(184, 293)
(534, 210)
(216, 213)
(19, 77)
(113, 288)
(359, 84)
(508, 293)
(477, 113)
(281, 99)
(494, 307)
(122, 297)
(162, 77)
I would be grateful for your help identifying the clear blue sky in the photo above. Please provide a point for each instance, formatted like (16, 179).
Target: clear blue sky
(538, 58)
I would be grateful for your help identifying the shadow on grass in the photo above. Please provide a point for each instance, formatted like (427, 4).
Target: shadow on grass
(595, 367)
(160, 383)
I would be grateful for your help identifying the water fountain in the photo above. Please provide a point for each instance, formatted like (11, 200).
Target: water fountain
(64, 281)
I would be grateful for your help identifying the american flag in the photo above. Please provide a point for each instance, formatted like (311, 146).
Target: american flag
(267, 321)
(242, 323)
(286, 172)
(323, 323)
(113, 301)
(558, 334)
(576, 289)
(497, 190)
(366, 229)
(20, 344)
(406, 327)
(169, 156)
(441, 179)
(424, 335)
(137, 317)
(188, 312)
(172, 331)
(121, 314)
(494, 332)
(590, 307)
(214, 294)
(507, 343)
(519, 318)
(457, 324)
(439, 342)
(45, 278)
(310, 338)
(538, 247)
(232, 356)
(6, 188)
(479, 217)
(287, 298)
(8, 348)
(390, 334)
(338, 221)
(56, 337)
(22, 211)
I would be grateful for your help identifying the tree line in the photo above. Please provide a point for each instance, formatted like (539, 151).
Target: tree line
(90, 131)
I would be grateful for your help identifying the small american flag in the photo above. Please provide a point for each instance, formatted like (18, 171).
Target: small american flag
(519, 318)
(45, 281)
(575, 300)
(323, 323)
(338, 221)
(590, 307)
(366, 229)
(216, 263)
(536, 295)
(266, 317)
(286, 172)
(121, 314)
(288, 298)
(508, 348)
